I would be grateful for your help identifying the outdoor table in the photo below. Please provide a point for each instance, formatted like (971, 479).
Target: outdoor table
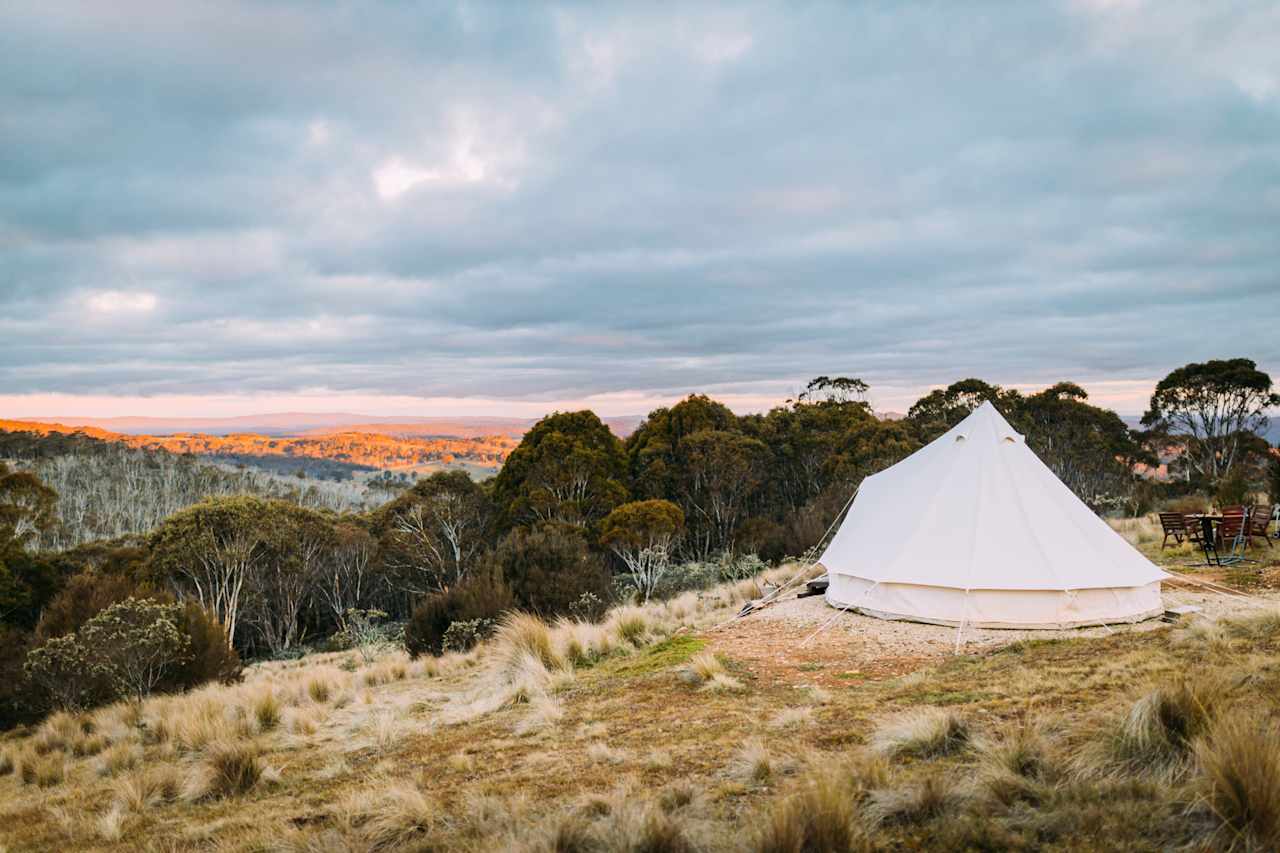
(1208, 532)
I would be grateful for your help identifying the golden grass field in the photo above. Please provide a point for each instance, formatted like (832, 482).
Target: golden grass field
(646, 733)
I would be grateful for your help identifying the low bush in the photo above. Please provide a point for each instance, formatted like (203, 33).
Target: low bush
(209, 657)
(464, 635)
(1187, 504)
(1233, 489)
(84, 597)
(700, 575)
(549, 568)
(484, 597)
(19, 703)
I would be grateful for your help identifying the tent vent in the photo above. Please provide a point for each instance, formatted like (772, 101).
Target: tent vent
(1008, 439)
(959, 438)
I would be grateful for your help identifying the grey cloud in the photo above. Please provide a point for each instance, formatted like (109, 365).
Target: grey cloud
(587, 200)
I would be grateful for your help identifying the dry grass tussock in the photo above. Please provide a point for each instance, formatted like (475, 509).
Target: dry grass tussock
(923, 733)
(708, 670)
(1019, 766)
(822, 817)
(149, 788)
(617, 822)
(391, 816)
(1157, 735)
(228, 770)
(1240, 762)
(934, 796)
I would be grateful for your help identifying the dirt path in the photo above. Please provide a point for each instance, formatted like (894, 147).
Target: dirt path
(805, 641)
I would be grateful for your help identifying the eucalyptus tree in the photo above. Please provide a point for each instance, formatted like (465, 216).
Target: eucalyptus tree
(1215, 408)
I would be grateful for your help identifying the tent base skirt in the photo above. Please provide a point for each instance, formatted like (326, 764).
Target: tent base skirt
(996, 608)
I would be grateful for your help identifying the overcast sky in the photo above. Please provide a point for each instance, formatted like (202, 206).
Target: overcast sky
(223, 208)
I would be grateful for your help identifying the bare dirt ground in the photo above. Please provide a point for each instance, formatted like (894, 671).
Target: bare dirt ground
(806, 641)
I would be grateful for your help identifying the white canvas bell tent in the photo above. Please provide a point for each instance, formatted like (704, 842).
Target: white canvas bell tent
(974, 530)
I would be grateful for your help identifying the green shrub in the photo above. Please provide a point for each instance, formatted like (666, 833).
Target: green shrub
(464, 634)
(588, 608)
(84, 597)
(484, 597)
(129, 649)
(69, 674)
(209, 657)
(1187, 504)
(688, 576)
(549, 568)
(18, 702)
(136, 642)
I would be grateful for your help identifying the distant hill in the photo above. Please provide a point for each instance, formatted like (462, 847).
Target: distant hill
(308, 423)
(328, 454)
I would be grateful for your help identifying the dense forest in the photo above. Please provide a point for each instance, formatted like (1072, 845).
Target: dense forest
(575, 520)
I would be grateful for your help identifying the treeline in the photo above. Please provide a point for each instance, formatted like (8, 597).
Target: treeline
(576, 520)
(107, 490)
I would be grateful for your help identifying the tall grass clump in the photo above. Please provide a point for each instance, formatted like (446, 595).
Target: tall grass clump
(319, 689)
(149, 788)
(523, 634)
(821, 818)
(932, 797)
(923, 733)
(708, 670)
(118, 758)
(43, 771)
(1240, 765)
(1155, 738)
(267, 710)
(754, 763)
(228, 770)
(630, 625)
(392, 817)
(1019, 767)
(1259, 627)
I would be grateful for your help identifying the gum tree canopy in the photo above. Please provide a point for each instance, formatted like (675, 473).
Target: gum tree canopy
(941, 409)
(642, 534)
(569, 468)
(1214, 407)
(27, 506)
